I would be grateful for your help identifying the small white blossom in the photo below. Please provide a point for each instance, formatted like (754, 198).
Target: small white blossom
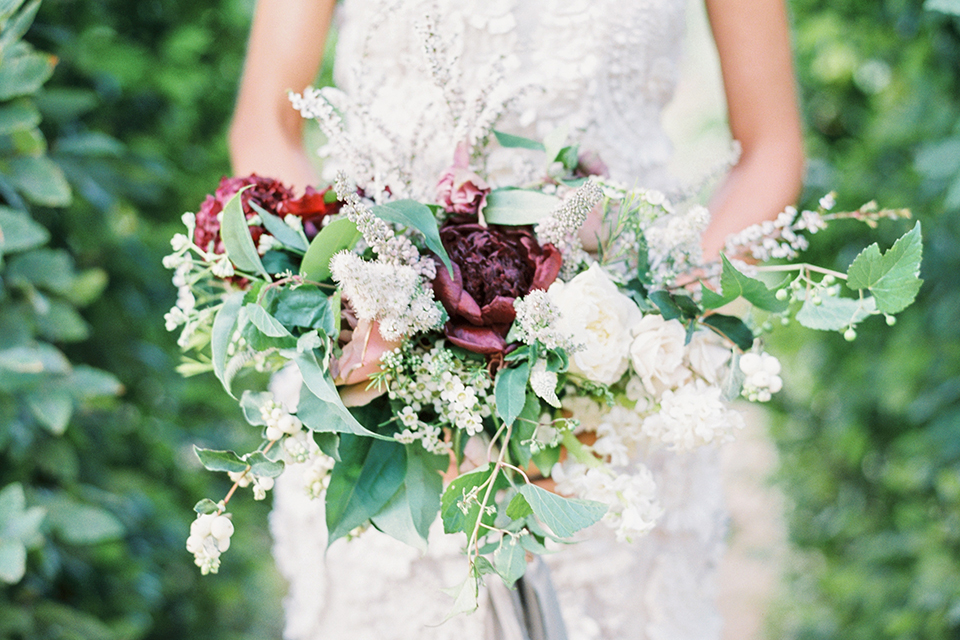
(223, 268)
(209, 537)
(544, 383)
(762, 376)
(692, 416)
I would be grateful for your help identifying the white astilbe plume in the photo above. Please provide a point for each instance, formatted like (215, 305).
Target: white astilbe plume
(538, 320)
(776, 238)
(443, 67)
(560, 227)
(393, 294)
(674, 243)
(389, 247)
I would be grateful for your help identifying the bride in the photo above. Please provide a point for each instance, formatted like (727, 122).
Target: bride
(606, 68)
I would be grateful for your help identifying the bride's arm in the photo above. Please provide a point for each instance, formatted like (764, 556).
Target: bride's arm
(753, 41)
(284, 53)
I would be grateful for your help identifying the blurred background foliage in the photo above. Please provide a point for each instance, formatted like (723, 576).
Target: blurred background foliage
(869, 431)
(96, 486)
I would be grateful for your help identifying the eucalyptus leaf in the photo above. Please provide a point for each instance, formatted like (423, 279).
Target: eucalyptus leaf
(280, 230)
(510, 141)
(518, 206)
(894, 277)
(320, 407)
(564, 516)
(339, 235)
(415, 215)
(52, 408)
(224, 324)
(424, 484)
(396, 520)
(263, 321)
(237, 240)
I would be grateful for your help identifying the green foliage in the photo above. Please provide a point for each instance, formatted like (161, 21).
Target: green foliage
(133, 119)
(868, 439)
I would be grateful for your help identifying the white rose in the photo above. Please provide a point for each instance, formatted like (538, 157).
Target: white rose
(708, 356)
(599, 317)
(657, 353)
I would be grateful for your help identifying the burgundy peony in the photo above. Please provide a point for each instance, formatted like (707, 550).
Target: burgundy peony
(492, 266)
(460, 190)
(272, 195)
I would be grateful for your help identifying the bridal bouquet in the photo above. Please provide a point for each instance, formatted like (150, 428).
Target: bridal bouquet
(446, 357)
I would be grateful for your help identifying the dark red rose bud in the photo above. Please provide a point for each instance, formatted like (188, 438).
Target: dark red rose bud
(312, 207)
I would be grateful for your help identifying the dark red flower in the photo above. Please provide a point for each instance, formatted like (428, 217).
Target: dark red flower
(492, 266)
(272, 196)
(312, 207)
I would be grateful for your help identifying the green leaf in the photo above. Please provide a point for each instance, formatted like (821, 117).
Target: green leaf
(52, 409)
(307, 307)
(18, 232)
(518, 206)
(214, 460)
(40, 180)
(510, 560)
(91, 144)
(262, 466)
(510, 391)
(546, 458)
(894, 277)
(13, 561)
(206, 506)
(466, 597)
(835, 313)
(250, 403)
(82, 524)
(237, 240)
(339, 235)
(519, 508)
(735, 284)
(224, 325)
(86, 383)
(555, 141)
(665, 303)
(424, 485)
(25, 73)
(263, 321)
(12, 503)
(62, 323)
(458, 515)
(18, 26)
(37, 359)
(731, 328)
(413, 214)
(564, 516)
(396, 520)
(18, 116)
(320, 407)
(510, 141)
(280, 230)
(367, 477)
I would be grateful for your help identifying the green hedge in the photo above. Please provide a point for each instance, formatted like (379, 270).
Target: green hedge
(870, 431)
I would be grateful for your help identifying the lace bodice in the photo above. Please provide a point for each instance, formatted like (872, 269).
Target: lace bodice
(606, 69)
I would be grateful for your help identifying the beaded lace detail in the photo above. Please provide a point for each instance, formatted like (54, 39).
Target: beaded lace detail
(606, 69)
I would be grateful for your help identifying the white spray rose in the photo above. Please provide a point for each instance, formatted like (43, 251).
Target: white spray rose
(599, 317)
(657, 353)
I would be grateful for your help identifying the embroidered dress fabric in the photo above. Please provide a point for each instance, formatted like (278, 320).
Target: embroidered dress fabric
(606, 69)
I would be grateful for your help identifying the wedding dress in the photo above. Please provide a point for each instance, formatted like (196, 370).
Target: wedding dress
(605, 68)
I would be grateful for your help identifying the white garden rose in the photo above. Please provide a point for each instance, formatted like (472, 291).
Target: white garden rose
(598, 317)
(708, 356)
(657, 353)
